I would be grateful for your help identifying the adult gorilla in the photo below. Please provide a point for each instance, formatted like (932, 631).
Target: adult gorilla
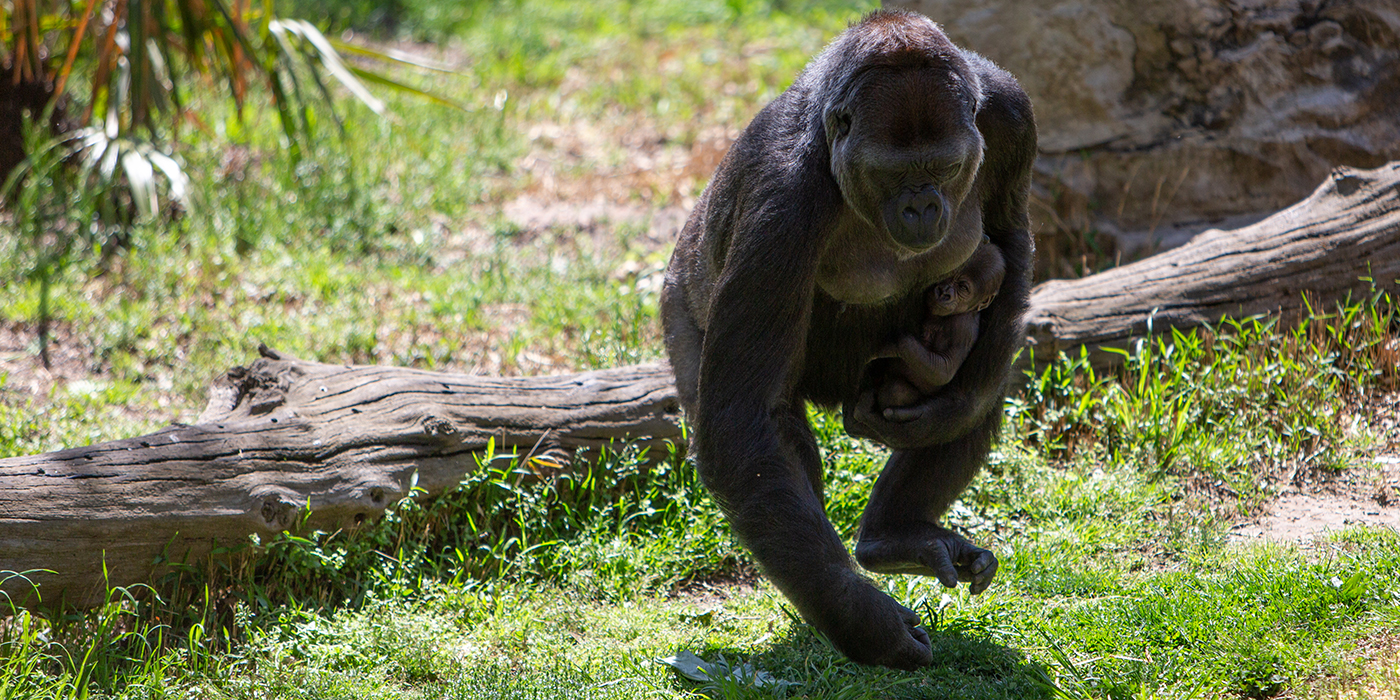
(870, 179)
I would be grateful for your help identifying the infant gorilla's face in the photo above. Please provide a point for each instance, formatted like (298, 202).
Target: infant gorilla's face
(956, 295)
(972, 287)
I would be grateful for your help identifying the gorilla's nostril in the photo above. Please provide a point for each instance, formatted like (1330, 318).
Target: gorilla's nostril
(911, 214)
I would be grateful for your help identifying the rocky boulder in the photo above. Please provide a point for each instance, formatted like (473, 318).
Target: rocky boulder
(1164, 116)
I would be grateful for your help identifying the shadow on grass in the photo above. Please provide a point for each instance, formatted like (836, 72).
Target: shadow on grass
(966, 666)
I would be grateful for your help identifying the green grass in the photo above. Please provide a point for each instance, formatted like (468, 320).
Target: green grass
(1108, 499)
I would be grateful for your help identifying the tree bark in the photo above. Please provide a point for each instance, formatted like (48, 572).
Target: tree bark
(283, 435)
(1342, 240)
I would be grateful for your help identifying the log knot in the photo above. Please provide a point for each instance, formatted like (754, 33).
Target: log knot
(1347, 181)
(276, 508)
(265, 388)
(1041, 335)
(258, 389)
(378, 495)
(437, 426)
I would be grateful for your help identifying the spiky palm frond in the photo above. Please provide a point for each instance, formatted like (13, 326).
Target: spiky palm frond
(140, 53)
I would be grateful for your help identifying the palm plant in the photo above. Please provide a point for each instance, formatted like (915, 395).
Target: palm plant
(106, 79)
(136, 55)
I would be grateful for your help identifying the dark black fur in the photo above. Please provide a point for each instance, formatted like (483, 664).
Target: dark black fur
(795, 269)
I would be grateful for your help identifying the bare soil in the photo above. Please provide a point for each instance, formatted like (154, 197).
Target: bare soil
(1303, 517)
(75, 369)
(1367, 494)
(1377, 676)
(23, 370)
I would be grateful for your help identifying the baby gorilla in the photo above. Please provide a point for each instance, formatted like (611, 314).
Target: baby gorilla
(921, 365)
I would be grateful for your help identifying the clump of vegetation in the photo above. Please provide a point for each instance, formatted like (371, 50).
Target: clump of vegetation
(606, 526)
(1108, 500)
(1236, 402)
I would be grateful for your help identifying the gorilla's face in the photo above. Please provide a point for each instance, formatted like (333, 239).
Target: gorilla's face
(905, 150)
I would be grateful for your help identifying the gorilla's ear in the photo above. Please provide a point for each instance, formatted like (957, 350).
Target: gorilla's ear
(971, 82)
(837, 118)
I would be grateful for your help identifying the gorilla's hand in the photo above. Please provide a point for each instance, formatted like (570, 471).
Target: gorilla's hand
(870, 627)
(935, 419)
(949, 413)
(902, 430)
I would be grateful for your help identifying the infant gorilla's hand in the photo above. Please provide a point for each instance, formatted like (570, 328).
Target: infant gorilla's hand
(896, 393)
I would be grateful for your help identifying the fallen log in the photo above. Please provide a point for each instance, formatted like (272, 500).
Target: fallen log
(1340, 241)
(284, 435)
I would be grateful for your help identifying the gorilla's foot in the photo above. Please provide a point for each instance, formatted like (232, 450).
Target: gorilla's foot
(928, 550)
(871, 628)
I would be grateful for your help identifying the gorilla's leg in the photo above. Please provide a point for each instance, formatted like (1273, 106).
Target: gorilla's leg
(899, 532)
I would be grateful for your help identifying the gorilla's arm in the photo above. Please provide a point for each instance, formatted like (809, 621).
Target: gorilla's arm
(754, 448)
(979, 386)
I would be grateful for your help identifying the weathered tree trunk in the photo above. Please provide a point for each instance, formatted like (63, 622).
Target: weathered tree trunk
(285, 434)
(1341, 240)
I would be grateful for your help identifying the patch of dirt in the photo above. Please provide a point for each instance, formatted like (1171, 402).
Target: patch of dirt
(25, 373)
(1363, 496)
(1383, 669)
(711, 592)
(598, 215)
(74, 370)
(625, 158)
(1376, 678)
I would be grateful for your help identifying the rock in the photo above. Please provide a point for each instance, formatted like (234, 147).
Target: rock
(1166, 115)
